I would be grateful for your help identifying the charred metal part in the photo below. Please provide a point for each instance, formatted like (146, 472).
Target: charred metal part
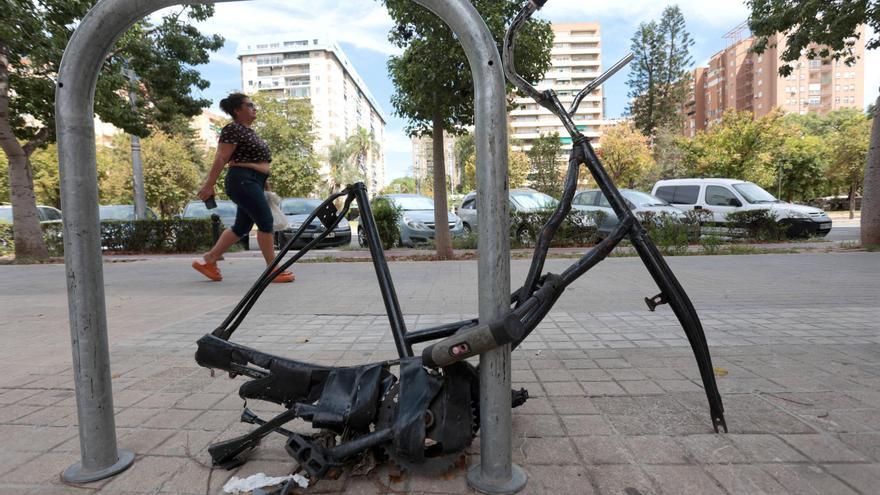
(655, 301)
(429, 412)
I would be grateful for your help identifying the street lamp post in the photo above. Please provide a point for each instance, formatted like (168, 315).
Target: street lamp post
(137, 168)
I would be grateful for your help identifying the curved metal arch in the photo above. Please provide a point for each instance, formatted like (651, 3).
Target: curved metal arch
(74, 109)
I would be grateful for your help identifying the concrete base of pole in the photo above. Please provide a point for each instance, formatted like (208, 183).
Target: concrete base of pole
(480, 483)
(76, 474)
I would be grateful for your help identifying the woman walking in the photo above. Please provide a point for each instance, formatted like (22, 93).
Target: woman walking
(248, 157)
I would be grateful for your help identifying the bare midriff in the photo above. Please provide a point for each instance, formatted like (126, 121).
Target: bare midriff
(259, 167)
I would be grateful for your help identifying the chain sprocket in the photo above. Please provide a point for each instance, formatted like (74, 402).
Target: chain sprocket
(435, 462)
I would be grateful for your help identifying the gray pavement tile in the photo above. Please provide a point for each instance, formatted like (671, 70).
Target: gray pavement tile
(558, 480)
(822, 448)
(765, 448)
(556, 389)
(553, 451)
(10, 413)
(807, 479)
(602, 450)
(863, 477)
(573, 405)
(586, 425)
(656, 449)
(683, 479)
(537, 425)
(711, 449)
(621, 479)
(740, 479)
(43, 469)
(34, 438)
(867, 444)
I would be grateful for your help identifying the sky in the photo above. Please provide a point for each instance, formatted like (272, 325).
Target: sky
(361, 28)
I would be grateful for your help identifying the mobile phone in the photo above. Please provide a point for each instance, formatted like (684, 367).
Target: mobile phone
(210, 203)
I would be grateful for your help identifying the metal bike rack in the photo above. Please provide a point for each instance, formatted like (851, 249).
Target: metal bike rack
(366, 406)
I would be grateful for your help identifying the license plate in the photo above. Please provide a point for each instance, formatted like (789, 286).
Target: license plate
(826, 225)
(331, 235)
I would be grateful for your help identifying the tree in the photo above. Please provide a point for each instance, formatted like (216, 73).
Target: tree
(544, 156)
(33, 36)
(362, 144)
(834, 27)
(343, 171)
(740, 147)
(464, 148)
(434, 89)
(518, 168)
(400, 185)
(847, 154)
(659, 77)
(626, 155)
(801, 162)
(286, 126)
(668, 153)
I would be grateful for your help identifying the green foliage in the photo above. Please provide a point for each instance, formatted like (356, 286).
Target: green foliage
(433, 76)
(578, 229)
(669, 233)
(668, 153)
(626, 155)
(464, 149)
(544, 155)
(740, 147)
(834, 26)
(519, 166)
(801, 161)
(287, 127)
(343, 170)
(176, 235)
(387, 218)
(759, 225)
(659, 73)
(400, 185)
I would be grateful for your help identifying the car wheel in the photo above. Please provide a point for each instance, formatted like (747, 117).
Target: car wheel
(278, 240)
(362, 237)
(467, 229)
(522, 236)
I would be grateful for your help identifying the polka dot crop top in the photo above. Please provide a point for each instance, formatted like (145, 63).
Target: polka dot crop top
(249, 147)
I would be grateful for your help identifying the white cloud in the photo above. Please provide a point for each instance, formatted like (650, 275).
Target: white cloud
(363, 23)
(723, 14)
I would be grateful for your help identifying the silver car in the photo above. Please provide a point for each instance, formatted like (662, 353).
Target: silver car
(417, 220)
(592, 200)
(520, 200)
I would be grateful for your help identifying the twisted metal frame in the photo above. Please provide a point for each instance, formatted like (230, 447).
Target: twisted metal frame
(450, 343)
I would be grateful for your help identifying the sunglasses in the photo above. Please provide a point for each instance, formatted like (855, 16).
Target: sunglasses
(250, 104)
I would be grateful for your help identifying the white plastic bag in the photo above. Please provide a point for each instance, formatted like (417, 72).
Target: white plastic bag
(279, 221)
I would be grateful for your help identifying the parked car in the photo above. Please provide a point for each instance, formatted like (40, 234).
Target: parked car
(225, 210)
(121, 212)
(520, 200)
(718, 197)
(47, 214)
(297, 210)
(592, 200)
(417, 221)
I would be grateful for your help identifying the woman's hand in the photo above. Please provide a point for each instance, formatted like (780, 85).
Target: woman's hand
(206, 191)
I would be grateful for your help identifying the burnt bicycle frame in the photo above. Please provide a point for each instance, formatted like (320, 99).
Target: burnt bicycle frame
(452, 342)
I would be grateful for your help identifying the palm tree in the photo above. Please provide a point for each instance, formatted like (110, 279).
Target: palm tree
(342, 169)
(360, 145)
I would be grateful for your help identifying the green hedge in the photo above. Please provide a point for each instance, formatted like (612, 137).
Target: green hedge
(757, 225)
(138, 236)
(579, 228)
(387, 218)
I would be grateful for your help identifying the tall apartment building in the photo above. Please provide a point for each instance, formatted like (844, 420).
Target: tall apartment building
(737, 79)
(423, 160)
(316, 68)
(575, 60)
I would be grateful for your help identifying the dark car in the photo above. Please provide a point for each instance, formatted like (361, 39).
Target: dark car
(121, 212)
(297, 210)
(225, 210)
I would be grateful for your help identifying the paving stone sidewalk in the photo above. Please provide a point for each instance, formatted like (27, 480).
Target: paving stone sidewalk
(616, 408)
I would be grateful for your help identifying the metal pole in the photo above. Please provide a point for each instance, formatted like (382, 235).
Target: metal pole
(75, 128)
(496, 472)
(137, 168)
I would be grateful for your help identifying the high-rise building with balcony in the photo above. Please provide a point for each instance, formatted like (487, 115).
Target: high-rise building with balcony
(299, 66)
(738, 79)
(575, 60)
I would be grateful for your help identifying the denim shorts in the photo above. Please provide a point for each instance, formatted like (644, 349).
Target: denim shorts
(246, 188)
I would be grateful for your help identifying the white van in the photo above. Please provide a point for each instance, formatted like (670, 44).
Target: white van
(722, 196)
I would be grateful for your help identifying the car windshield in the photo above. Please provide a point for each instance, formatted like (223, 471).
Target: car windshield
(410, 203)
(643, 199)
(197, 209)
(299, 206)
(754, 194)
(116, 212)
(5, 215)
(533, 200)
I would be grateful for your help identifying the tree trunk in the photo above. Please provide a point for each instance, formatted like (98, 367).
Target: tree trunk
(870, 223)
(25, 221)
(852, 201)
(442, 238)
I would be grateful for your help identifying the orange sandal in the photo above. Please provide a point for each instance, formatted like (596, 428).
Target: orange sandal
(283, 278)
(209, 270)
